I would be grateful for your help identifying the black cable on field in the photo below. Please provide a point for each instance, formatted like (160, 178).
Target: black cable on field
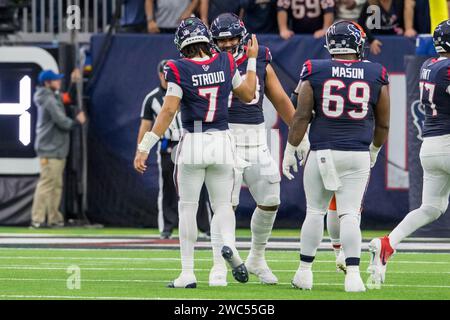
(98, 63)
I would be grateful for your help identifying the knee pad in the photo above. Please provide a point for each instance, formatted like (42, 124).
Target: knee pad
(432, 212)
(218, 207)
(270, 200)
(314, 211)
(186, 206)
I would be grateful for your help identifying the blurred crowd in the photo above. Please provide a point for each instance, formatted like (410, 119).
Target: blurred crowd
(285, 17)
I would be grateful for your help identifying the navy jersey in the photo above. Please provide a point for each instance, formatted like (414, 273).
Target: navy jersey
(206, 89)
(252, 112)
(435, 96)
(306, 16)
(345, 95)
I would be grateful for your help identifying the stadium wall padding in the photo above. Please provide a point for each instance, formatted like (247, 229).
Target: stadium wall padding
(117, 195)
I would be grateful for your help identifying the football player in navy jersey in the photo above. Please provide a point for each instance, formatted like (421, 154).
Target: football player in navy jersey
(350, 100)
(202, 82)
(434, 155)
(260, 172)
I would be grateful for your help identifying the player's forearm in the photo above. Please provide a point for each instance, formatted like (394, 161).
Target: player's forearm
(163, 121)
(249, 85)
(297, 130)
(145, 126)
(284, 107)
(380, 135)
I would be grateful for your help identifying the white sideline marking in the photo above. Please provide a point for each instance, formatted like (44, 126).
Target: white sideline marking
(20, 296)
(64, 267)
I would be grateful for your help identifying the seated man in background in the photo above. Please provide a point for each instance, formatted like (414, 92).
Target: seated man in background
(164, 16)
(312, 17)
(52, 147)
(211, 9)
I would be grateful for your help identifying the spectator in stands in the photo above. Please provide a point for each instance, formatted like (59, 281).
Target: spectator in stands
(133, 17)
(349, 9)
(164, 16)
(312, 17)
(260, 16)
(394, 16)
(52, 147)
(210, 9)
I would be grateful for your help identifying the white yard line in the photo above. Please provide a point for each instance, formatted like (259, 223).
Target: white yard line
(199, 270)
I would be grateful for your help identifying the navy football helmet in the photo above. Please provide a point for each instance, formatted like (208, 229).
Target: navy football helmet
(441, 37)
(346, 37)
(226, 26)
(191, 30)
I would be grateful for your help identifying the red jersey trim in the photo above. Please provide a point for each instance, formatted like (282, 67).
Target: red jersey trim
(214, 57)
(175, 71)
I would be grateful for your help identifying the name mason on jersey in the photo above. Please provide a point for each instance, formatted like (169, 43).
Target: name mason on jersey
(341, 72)
(208, 78)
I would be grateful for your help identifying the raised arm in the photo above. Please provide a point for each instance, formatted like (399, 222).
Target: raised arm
(245, 90)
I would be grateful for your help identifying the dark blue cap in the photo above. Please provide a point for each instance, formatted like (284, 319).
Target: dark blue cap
(49, 75)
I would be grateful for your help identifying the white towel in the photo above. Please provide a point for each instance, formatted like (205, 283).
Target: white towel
(327, 170)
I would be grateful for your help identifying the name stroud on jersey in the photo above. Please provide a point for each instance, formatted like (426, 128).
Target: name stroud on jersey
(355, 73)
(425, 74)
(208, 78)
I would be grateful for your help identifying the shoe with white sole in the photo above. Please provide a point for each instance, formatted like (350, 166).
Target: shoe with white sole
(340, 262)
(353, 282)
(380, 251)
(303, 279)
(260, 268)
(218, 276)
(188, 281)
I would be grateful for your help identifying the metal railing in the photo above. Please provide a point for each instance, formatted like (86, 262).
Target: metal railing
(46, 20)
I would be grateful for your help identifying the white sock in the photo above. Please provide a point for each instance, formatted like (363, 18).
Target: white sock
(351, 236)
(305, 265)
(217, 242)
(333, 228)
(226, 224)
(187, 229)
(353, 269)
(311, 234)
(413, 221)
(261, 226)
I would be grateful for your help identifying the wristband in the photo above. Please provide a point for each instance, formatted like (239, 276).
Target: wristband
(148, 141)
(251, 64)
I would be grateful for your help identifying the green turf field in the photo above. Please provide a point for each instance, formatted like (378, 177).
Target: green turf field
(143, 274)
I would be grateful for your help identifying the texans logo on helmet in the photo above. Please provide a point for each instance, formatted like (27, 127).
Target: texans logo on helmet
(355, 32)
(418, 113)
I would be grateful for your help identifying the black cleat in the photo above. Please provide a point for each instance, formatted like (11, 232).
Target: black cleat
(238, 268)
(188, 286)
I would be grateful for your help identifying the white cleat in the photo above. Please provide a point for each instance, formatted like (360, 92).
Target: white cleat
(354, 283)
(188, 281)
(340, 262)
(218, 276)
(261, 270)
(303, 279)
(380, 251)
